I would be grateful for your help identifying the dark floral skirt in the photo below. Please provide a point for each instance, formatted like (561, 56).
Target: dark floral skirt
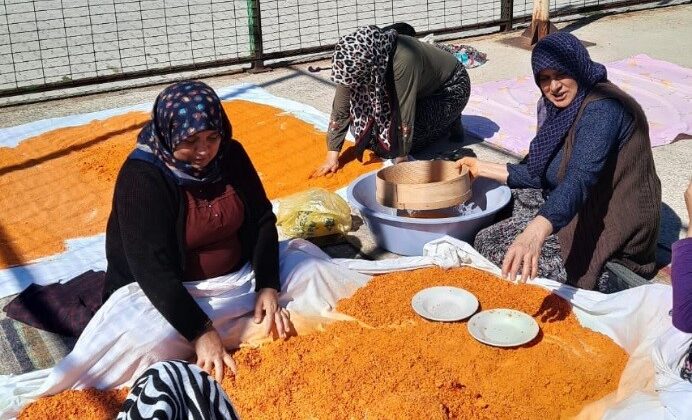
(493, 241)
(435, 114)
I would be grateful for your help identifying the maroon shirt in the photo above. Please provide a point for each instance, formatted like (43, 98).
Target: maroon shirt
(214, 215)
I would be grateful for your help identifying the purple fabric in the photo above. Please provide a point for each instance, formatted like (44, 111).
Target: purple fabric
(61, 308)
(503, 112)
(562, 52)
(682, 284)
(180, 111)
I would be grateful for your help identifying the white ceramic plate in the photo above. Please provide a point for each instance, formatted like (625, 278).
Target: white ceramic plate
(444, 303)
(503, 327)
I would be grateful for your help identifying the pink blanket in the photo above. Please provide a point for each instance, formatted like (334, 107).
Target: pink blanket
(504, 113)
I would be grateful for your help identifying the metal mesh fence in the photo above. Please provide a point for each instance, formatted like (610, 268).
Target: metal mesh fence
(52, 41)
(49, 43)
(297, 24)
(525, 7)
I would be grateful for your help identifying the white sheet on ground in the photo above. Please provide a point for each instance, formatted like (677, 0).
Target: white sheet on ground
(638, 320)
(12, 136)
(116, 346)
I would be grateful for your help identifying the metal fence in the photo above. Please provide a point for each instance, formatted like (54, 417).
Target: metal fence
(48, 44)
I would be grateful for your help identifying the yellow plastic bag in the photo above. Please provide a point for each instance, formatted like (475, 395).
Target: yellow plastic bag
(312, 213)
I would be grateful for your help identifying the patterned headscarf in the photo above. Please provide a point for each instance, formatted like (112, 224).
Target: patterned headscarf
(564, 53)
(180, 111)
(360, 62)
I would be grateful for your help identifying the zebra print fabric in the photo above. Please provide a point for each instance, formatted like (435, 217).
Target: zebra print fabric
(686, 370)
(176, 389)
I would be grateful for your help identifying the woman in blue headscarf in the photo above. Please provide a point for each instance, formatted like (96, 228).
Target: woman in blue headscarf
(189, 206)
(587, 193)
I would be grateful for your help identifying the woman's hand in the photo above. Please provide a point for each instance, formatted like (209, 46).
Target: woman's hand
(524, 252)
(329, 166)
(480, 168)
(400, 159)
(267, 305)
(212, 355)
(472, 163)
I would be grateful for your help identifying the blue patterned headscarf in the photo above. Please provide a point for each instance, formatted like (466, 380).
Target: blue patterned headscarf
(564, 53)
(180, 111)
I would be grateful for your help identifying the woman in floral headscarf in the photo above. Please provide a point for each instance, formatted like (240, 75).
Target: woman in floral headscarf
(587, 194)
(189, 206)
(396, 93)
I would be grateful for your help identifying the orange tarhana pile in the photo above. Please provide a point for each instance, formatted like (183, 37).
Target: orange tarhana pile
(86, 404)
(393, 364)
(59, 185)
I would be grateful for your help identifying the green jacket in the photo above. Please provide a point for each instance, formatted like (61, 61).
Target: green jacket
(420, 69)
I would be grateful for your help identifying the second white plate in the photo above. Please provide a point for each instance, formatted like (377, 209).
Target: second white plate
(503, 327)
(444, 303)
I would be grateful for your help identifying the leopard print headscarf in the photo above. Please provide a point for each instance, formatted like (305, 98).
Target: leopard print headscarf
(360, 62)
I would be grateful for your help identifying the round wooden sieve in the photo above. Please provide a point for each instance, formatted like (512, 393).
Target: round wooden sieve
(422, 185)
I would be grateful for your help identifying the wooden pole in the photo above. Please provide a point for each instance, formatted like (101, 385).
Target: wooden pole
(540, 22)
(506, 15)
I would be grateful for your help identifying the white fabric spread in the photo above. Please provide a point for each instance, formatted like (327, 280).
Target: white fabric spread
(637, 320)
(127, 334)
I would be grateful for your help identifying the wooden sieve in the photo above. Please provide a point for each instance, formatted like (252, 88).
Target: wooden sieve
(422, 185)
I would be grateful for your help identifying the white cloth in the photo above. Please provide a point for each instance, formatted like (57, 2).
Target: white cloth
(446, 252)
(128, 334)
(638, 320)
(118, 345)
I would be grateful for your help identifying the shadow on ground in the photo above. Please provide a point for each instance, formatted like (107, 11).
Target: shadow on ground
(669, 233)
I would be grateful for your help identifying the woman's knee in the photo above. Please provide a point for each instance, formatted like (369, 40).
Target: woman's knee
(488, 239)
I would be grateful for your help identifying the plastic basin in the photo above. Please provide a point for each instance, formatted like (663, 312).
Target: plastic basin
(407, 235)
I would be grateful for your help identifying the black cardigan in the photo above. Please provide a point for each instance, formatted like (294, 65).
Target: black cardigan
(146, 231)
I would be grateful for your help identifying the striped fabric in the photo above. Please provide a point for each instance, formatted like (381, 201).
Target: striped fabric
(25, 348)
(176, 389)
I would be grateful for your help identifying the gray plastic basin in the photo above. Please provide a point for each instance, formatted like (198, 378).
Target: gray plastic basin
(407, 235)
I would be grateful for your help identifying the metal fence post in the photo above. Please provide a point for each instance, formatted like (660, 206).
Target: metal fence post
(256, 48)
(506, 15)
